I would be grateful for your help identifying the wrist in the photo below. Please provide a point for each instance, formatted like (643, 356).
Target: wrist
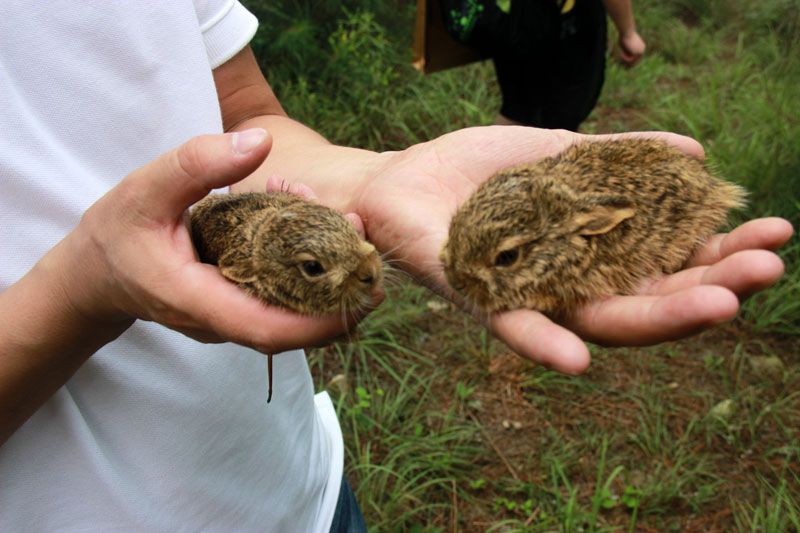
(336, 174)
(373, 165)
(45, 338)
(79, 282)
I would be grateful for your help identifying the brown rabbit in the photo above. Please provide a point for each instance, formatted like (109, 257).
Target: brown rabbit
(593, 221)
(287, 251)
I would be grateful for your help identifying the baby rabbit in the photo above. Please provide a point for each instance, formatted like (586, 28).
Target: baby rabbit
(591, 222)
(287, 251)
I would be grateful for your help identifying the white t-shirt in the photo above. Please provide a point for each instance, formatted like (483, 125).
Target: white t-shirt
(155, 432)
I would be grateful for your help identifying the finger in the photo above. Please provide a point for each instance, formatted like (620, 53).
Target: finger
(275, 183)
(221, 307)
(633, 61)
(685, 144)
(645, 320)
(533, 335)
(357, 223)
(278, 184)
(744, 273)
(179, 178)
(626, 57)
(516, 145)
(762, 233)
(303, 191)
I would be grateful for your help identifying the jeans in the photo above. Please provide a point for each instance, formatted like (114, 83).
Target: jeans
(348, 517)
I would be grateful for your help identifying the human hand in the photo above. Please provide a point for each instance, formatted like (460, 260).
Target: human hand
(131, 256)
(631, 48)
(408, 203)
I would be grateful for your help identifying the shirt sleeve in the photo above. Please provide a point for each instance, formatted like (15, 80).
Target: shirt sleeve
(227, 26)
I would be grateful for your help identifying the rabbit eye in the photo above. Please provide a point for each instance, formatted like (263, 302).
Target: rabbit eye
(312, 268)
(506, 257)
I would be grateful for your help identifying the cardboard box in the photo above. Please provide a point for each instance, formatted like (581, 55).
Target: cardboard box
(434, 49)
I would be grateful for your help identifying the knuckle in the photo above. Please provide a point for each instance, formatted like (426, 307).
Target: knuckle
(189, 157)
(267, 346)
(180, 322)
(161, 306)
(270, 341)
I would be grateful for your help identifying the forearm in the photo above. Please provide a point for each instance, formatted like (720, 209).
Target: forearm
(43, 340)
(299, 154)
(621, 13)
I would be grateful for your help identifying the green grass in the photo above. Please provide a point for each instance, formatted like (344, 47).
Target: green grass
(444, 429)
(777, 510)
(405, 456)
(778, 309)
(344, 68)
(730, 83)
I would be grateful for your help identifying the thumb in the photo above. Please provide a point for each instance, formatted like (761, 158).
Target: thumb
(181, 177)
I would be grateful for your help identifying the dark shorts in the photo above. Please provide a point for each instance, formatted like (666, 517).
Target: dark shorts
(556, 84)
(348, 517)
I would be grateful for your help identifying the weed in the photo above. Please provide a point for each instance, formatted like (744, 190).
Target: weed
(778, 508)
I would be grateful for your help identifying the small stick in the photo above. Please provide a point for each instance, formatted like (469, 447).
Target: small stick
(495, 448)
(532, 517)
(269, 378)
(454, 516)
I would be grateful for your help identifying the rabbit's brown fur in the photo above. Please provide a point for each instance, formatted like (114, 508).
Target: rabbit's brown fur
(593, 221)
(287, 251)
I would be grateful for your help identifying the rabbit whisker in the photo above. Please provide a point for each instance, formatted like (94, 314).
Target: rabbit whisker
(396, 277)
(392, 250)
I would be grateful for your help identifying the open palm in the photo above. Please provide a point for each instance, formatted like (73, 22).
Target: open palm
(407, 206)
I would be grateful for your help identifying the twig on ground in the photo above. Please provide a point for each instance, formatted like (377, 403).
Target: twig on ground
(495, 448)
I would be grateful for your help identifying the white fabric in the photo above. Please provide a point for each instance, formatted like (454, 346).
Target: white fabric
(155, 432)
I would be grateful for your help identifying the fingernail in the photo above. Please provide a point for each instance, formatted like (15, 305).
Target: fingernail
(245, 141)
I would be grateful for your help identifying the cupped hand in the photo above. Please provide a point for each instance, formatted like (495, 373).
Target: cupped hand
(407, 205)
(631, 48)
(131, 256)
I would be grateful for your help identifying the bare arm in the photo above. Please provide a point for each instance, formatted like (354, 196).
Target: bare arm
(621, 13)
(44, 338)
(406, 200)
(631, 44)
(92, 286)
(335, 173)
(129, 258)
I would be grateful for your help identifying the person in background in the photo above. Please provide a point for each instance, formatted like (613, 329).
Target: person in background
(549, 55)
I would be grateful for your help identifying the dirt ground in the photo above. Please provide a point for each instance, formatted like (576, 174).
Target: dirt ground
(519, 416)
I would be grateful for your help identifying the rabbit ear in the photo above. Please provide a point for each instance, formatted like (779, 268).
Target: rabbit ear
(237, 267)
(600, 219)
